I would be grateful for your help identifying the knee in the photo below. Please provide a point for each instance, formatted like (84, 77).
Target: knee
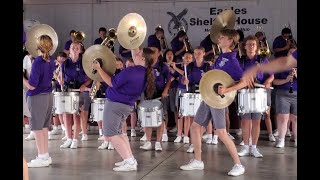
(221, 132)
(195, 126)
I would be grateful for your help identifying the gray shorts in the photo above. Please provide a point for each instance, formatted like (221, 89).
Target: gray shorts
(114, 115)
(171, 100)
(40, 107)
(269, 97)
(205, 113)
(84, 100)
(286, 103)
(251, 116)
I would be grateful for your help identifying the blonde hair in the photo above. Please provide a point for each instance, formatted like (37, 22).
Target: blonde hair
(231, 34)
(45, 45)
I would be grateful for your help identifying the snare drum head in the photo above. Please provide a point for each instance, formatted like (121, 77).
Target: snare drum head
(150, 104)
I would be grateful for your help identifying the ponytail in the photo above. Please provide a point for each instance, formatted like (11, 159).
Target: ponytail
(151, 88)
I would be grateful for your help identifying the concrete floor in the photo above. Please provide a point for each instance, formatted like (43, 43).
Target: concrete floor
(89, 163)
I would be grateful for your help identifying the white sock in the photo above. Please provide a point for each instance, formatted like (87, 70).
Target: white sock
(63, 127)
(254, 146)
(130, 160)
(165, 131)
(209, 136)
(246, 146)
(27, 126)
(54, 127)
(215, 136)
(197, 161)
(44, 156)
(100, 132)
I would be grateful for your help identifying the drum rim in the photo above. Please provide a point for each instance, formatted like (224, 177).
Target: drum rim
(66, 93)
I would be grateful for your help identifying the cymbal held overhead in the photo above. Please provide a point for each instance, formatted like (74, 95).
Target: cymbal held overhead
(225, 20)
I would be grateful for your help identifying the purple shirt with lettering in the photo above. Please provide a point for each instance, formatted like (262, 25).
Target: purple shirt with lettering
(41, 76)
(229, 63)
(128, 85)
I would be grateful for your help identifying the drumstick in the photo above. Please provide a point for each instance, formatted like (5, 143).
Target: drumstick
(185, 74)
(261, 85)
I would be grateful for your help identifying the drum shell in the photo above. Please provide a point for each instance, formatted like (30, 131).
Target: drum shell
(189, 104)
(150, 113)
(97, 108)
(66, 102)
(252, 100)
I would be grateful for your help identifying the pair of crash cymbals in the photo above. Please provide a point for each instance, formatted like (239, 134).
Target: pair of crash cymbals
(131, 32)
(225, 20)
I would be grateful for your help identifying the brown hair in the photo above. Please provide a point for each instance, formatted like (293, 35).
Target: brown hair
(200, 48)
(45, 45)
(63, 54)
(231, 34)
(148, 54)
(250, 38)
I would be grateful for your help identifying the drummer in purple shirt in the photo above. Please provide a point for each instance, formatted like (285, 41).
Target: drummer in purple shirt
(124, 89)
(68, 43)
(74, 77)
(227, 62)
(40, 100)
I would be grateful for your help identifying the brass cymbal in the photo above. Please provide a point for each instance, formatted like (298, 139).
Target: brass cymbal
(108, 61)
(225, 20)
(209, 81)
(33, 38)
(132, 30)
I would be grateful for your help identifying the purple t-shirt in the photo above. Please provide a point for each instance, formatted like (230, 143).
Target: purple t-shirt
(195, 73)
(153, 41)
(128, 85)
(176, 46)
(286, 86)
(41, 76)
(279, 42)
(161, 77)
(294, 54)
(207, 45)
(73, 73)
(176, 75)
(261, 77)
(67, 45)
(229, 63)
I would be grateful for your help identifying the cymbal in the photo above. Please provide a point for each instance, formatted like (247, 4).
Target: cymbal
(131, 31)
(108, 61)
(33, 38)
(225, 20)
(212, 79)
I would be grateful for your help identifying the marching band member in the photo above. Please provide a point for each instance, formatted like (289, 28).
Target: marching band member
(228, 62)
(124, 89)
(207, 44)
(282, 44)
(154, 40)
(40, 100)
(162, 83)
(103, 35)
(125, 53)
(68, 43)
(58, 118)
(178, 46)
(74, 77)
(27, 64)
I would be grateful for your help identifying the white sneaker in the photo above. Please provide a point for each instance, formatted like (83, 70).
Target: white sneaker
(121, 163)
(104, 145)
(236, 170)
(74, 144)
(146, 146)
(280, 143)
(186, 140)
(133, 133)
(144, 137)
(84, 137)
(164, 137)
(209, 140)
(193, 165)
(64, 138)
(173, 130)
(38, 162)
(50, 137)
(178, 139)
(244, 152)
(239, 133)
(59, 127)
(271, 138)
(255, 152)
(101, 138)
(214, 139)
(276, 133)
(49, 160)
(158, 147)
(288, 134)
(30, 137)
(66, 144)
(190, 149)
(250, 142)
(54, 132)
(110, 146)
(230, 136)
(206, 136)
(295, 143)
(127, 167)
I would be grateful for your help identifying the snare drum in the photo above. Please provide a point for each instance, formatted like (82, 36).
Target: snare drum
(189, 104)
(65, 102)
(150, 113)
(252, 100)
(97, 108)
